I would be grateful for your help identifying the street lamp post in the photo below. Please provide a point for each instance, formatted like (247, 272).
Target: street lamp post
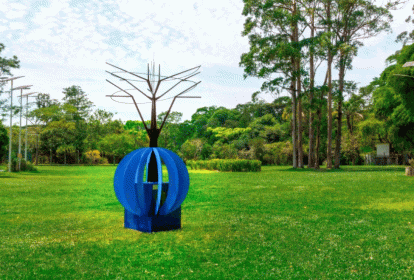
(27, 109)
(20, 123)
(3, 79)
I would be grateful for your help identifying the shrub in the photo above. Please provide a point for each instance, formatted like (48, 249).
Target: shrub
(224, 151)
(192, 149)
(92, 157)
(257, 145)
(24, 165)
(234, 165)
(411, 162)
(279, 153)
(103, 160)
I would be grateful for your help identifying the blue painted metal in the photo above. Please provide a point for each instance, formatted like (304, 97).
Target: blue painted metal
(144, 208)
(159, 167)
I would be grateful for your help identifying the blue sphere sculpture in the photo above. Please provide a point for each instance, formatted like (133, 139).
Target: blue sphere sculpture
(148, 209)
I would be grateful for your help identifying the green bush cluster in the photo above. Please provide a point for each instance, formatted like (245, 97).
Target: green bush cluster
(24, 165)
(94, 157)
(279, 153)
(234, 165)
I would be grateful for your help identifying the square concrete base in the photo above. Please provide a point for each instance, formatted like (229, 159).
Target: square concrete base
(153, 223)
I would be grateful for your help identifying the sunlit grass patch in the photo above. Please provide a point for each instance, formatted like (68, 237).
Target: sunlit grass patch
(65, 223)
(391, 206)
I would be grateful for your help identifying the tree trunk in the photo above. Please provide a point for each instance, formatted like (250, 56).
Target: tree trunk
(311, 163)
(318, 140)
(293, 87)
(318, 127)
(348, 123)
(339, 123)
(300, 129)
(294, 144)
(37, 150)
(329, 71)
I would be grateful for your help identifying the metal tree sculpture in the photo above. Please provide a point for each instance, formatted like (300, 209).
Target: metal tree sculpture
(153, 86)
(153, 81)
(148, 209)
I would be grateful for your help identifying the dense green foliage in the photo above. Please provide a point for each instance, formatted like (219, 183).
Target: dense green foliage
(4, 141)
(65, 223)
(393, 105)
(234, 165)
(288, 38)
(24, 165)
(6, 65)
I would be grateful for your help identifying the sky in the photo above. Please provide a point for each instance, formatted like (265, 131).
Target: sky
(68, 42)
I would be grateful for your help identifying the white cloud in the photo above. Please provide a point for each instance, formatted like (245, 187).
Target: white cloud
(16, 25)
(65, 43)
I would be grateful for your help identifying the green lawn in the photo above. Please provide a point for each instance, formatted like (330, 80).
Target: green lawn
(65, 223)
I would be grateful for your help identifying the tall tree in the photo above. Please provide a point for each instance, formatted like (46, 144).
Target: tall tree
(406, 36)
(4, 141)
(311, 23)
(355, 21)
(329, 45)
(393, 105)
(6, 65)
(273, 30)
(77, 98)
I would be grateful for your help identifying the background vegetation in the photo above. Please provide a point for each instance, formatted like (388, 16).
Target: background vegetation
(334, 122)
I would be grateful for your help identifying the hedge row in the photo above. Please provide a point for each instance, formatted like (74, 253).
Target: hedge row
(235, 165)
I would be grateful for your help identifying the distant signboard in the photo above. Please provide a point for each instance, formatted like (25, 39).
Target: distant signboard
(383, 150)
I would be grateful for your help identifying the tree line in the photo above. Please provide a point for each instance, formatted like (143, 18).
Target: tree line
(289, 40)
(331, 123)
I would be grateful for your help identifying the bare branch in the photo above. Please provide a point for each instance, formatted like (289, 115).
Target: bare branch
(166, 115)
(198, 67)
(149, 82)
(129, 83)
(177, 96)
(133, 99)
(126, 71)
(177, 85)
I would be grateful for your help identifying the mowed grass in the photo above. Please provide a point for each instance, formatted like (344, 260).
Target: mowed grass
(65, 222)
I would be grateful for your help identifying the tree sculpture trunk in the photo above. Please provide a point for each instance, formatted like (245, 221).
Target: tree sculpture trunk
(152, 166)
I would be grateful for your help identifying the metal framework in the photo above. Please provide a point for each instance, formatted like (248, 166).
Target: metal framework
(153, 82)
(27, 95)
(408, 64)
(20, 122)
(6, 79)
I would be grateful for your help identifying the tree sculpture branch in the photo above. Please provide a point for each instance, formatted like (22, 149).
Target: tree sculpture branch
(153, 87)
